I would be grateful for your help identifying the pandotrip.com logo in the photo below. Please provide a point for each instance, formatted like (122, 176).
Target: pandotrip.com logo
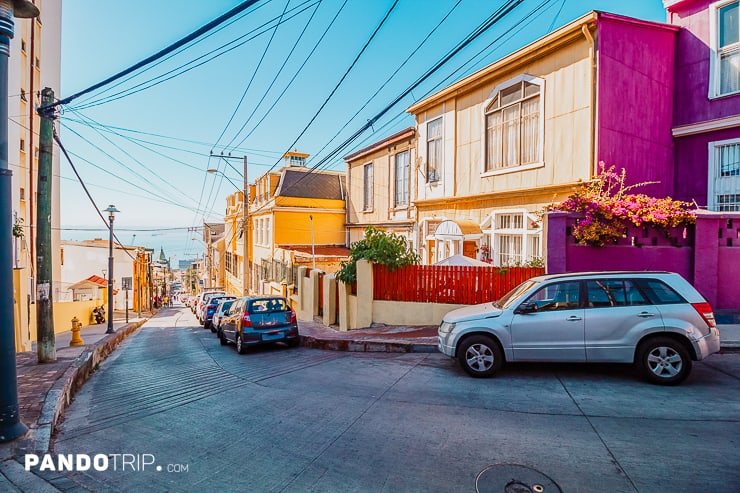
(99, 462)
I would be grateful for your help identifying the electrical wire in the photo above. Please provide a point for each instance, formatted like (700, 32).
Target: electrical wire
(295, 75)
(195, 63)
(181, 42)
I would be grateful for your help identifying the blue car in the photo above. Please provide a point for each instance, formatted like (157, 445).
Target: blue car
(210, 309)
(252, 321)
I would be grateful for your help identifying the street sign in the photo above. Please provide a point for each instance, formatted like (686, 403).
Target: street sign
(126, 283)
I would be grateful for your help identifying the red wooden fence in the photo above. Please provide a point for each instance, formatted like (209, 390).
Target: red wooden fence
(448, 284)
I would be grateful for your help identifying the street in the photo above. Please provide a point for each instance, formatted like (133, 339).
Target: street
(278, 419)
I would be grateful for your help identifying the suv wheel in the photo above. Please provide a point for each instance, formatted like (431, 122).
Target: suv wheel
(480, 356)
(664, 361)
(241, 348)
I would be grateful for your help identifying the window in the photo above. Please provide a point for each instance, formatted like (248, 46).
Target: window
(23, 145)
(725, 41)
(724, 176)
(434, 150)
(512, 122)
(659, 293)
(516, 238)
(614, 292)
(402, 178)
(558, 296)
(367, 197)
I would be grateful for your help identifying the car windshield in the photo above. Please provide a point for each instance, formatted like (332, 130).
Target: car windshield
(226, 305)
(509, 298)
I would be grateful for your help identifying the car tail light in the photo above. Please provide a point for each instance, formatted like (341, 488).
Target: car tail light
(246, 321)
(705, 310)
(293, 318)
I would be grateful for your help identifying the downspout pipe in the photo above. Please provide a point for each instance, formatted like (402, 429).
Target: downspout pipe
(592, 86)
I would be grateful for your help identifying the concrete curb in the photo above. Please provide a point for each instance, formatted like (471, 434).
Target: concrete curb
(366, 346)
(61, 393)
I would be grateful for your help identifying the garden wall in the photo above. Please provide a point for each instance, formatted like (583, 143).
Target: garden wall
(707, 254)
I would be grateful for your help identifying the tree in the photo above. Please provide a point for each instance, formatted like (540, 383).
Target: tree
(377, 247)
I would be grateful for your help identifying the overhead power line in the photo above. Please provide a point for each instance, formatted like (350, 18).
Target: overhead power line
(164, 52)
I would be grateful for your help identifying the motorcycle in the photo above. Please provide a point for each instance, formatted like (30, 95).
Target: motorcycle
(99, 314)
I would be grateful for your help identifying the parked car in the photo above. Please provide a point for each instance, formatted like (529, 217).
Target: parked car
(210, 310)
(218, 315)
(655, 320)
(200, 310)
(259, 320)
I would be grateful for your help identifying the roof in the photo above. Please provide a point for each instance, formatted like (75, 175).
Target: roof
(92, 282)
(406, 133)
(458, 228)
(462, 260)
(307, 183)
(545, 44)
(319, 250)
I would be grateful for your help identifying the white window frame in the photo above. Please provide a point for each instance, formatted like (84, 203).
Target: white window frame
(713, 170)
(540, 162)
(715, 53)
(405, 180)
(368, 187)
(441, 139)
(525, 233)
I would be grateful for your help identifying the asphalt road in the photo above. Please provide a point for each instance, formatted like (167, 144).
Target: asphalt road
(280, 419)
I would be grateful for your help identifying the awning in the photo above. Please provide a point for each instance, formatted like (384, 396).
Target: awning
(459, 229)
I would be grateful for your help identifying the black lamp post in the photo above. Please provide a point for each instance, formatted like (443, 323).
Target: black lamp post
(111, 210)
(11, 426)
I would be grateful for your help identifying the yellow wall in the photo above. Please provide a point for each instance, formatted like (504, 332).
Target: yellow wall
(294, 228)
(63, 313)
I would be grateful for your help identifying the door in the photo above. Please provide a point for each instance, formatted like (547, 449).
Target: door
(617, 315)
(231, 320)
(555, 330)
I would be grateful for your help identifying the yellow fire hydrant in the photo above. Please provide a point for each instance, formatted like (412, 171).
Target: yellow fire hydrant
(76, 339)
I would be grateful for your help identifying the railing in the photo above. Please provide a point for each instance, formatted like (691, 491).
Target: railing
(448, 284)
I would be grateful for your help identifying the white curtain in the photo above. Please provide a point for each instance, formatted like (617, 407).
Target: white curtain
(493, 141)
(511, 135)
(530, 130)
(730, 72)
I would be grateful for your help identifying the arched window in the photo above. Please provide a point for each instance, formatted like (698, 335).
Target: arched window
(513, 126)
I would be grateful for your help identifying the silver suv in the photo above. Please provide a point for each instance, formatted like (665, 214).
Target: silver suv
(655, 320)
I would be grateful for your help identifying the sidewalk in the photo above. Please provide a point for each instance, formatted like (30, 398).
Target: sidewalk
(45, 390)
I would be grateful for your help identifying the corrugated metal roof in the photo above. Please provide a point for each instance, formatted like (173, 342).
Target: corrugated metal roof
(307, 183)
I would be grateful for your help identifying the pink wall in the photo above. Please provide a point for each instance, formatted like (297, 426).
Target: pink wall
(691, 100)
(635, 100)
(708, 256)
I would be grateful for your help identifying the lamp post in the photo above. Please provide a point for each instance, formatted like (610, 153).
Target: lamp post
(246, 282)
(10, 419)
(111, 210)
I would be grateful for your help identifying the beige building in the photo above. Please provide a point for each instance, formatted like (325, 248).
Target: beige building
(380, 185)
(499, 145)
(34, 63)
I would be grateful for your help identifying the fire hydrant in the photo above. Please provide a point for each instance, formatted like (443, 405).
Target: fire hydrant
(76, 339)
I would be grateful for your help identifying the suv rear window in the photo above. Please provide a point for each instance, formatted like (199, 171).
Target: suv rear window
(659, 292)
(268, 305)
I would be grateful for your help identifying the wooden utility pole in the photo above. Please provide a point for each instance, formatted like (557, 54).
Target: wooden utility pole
(46, 348)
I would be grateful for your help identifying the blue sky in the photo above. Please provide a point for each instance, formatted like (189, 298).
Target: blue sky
(148, 152)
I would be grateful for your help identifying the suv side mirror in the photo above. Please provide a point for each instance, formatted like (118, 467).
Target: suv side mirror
(527, 307)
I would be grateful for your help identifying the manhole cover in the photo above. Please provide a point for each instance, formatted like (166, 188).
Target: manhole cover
(514, 478)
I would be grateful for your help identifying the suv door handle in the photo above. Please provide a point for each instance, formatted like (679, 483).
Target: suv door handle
(573, 318)
(645, 314)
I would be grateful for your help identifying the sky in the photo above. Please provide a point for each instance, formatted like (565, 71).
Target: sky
(284, 74)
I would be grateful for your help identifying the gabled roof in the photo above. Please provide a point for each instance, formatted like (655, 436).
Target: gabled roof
(91, 282)
(406, 133)
(306, 183)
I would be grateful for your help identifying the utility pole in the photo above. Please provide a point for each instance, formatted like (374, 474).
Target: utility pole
(45, 347)
(245, 230)
(11, 426)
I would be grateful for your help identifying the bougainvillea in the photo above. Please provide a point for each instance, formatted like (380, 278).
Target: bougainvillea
(609, 210)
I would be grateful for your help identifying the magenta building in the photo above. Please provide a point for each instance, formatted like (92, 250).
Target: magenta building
(706, 102)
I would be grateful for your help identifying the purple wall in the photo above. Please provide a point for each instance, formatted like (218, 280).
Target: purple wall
(635, 100)
(691, 100)
(709, 258)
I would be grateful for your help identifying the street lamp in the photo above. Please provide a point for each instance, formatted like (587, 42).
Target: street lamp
(245, 220)
(111, 210)
(10, 419)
